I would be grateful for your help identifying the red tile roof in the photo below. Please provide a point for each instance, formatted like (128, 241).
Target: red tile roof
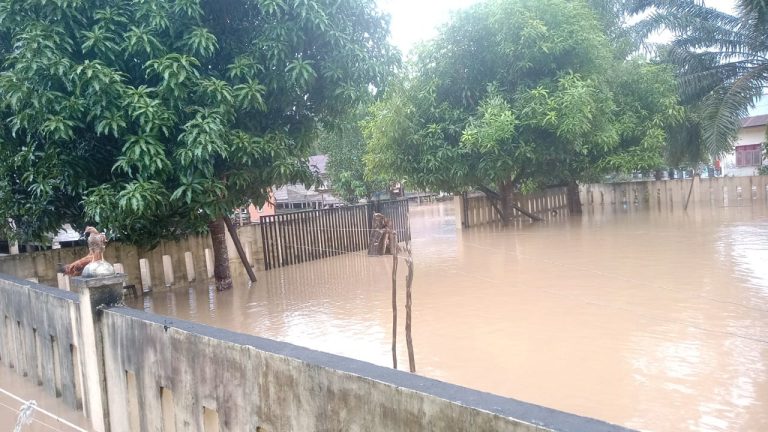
(753, 121)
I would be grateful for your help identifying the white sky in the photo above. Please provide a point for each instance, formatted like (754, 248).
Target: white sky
(414, 21)
(417, 20)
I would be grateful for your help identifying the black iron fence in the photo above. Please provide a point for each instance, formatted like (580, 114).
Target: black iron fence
(293, 238)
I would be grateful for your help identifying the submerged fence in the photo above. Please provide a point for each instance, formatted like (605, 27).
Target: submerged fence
(293, 238)
(476, 209)
(673, 194)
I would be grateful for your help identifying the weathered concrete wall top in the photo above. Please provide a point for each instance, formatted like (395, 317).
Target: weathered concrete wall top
(187, 374)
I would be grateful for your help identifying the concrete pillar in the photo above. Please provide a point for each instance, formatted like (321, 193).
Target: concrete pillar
(63, 281)
(168, 270)
(248, 254)
(458, 203)
(146, 276)
(94, 293)
(13, 248)
(190, 265)
(209, 262)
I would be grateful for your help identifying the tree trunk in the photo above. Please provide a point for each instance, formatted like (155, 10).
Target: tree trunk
(505, 192)
(495, 197)
(239, 248)
(220, 255)
(574, 200)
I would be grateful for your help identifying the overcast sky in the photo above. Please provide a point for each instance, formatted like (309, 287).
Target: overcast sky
(418, 20)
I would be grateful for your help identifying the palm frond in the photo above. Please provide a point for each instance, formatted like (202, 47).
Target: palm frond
(727, 105)
(755, 12)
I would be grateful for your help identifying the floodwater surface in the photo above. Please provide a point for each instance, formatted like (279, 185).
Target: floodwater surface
(52, 415)
(655, 321)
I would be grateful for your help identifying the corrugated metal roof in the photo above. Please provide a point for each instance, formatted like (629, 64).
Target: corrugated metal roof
(298, 194)
(753, 121)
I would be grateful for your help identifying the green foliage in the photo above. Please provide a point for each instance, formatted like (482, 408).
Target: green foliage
(346, 148)
(521, 93)
(151, 118)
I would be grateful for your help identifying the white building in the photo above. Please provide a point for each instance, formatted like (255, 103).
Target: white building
(748, 153)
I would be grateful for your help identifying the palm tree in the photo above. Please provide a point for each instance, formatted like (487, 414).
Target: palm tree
(722, 60)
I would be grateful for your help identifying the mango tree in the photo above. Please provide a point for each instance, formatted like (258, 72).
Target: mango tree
(511, 96)
(153, 119)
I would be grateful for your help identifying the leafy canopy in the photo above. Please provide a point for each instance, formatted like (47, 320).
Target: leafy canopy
(520, 93)
(151, 118)
(346, 147)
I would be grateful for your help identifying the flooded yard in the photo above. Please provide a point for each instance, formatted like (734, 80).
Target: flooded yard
(656, 321)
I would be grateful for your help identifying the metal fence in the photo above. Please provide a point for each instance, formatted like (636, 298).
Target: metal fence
(293, 238)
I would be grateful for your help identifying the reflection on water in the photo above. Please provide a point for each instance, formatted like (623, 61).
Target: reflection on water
(652, 320)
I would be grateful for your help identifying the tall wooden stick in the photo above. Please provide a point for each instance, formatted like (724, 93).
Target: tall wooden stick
(408, 307)
(393, 246)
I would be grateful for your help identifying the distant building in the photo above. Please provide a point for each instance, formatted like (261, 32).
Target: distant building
(748, 152)
(266, 209)
(298, 197)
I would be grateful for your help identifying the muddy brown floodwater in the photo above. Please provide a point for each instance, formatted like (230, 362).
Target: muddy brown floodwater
(59, 417)
(656, 321)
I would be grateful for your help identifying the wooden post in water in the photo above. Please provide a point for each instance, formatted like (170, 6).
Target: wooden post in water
(393, 246)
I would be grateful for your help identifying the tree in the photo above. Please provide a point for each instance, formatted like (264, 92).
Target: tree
(346, 148)
(722, 62)
(514, 95)
(155, 118)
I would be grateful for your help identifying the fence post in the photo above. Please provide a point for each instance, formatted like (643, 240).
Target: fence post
(63, 281)
(190, 265)
(94, 293)
(248, 253)
(146, 276)
(168, 270)
(209, 262)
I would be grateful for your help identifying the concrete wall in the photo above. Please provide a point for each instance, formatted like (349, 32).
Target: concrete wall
(42, 266)
(160, 374)
(40, 337)
(475, 209)
(672, 194)
(259, 384)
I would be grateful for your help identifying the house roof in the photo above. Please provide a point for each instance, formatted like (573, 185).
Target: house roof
(760, 120)
(297, 193)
